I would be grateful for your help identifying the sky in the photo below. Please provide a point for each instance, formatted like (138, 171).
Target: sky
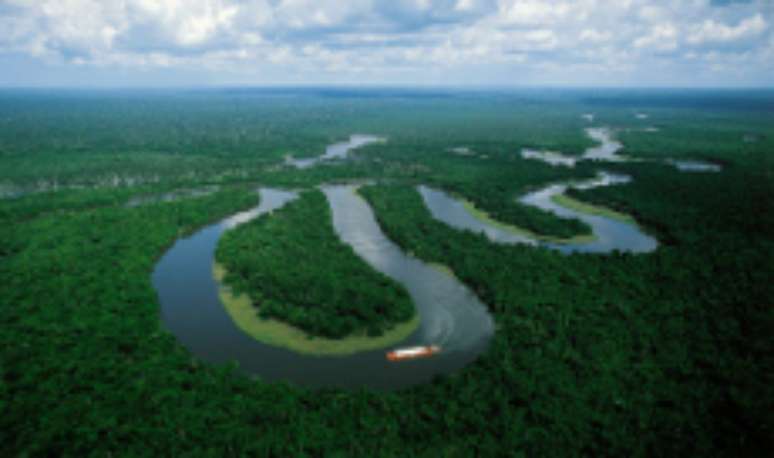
(578, 43)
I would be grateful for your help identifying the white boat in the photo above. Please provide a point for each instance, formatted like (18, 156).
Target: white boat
(413, 352)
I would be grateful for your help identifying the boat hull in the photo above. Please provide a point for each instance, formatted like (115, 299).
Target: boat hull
(412, 353)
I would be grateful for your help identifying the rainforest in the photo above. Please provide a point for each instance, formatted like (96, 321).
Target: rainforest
(221, 272)
(295, 264)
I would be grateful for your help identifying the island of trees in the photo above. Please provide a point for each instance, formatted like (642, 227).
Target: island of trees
(295, 269)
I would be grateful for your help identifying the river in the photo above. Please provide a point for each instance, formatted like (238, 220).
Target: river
(451, 316)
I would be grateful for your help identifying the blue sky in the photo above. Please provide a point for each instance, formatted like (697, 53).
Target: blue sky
(102, 43)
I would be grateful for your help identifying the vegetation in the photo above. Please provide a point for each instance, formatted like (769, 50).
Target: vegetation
(583, 207)
(661, 343)
(664, 354)
(483, 216)
(275, 332)
(295, 269)
(499, 203)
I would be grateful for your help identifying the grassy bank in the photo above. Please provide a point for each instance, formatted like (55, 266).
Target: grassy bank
(297, 270)
(275, 332)
(485, 218)
(582, 207)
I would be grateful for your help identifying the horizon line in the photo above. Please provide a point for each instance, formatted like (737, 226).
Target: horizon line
(365, 87)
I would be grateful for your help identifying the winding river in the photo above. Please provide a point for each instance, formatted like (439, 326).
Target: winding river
(608, 233)
(335, 151)
(607, 151)
(451, 316)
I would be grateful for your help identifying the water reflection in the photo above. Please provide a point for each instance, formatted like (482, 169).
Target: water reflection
(605, 151)
(685, 165)
(172, 196)
(610, 234)
(452, 316)
(271, 199)
(454, 213)
(607, 148)
(335, 151)
(549, 157)
(191, 309)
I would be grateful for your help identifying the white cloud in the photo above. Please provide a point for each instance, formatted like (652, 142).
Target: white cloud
(661, 37)
(189, 22)
(74, 26)
(653, 13)
(464, 5)
(540, 39)
(711, 31)
(592, 38)
(595, 36)
(532, 12)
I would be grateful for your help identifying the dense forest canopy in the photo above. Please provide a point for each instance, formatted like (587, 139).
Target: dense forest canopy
(666, 354)
(295, 269)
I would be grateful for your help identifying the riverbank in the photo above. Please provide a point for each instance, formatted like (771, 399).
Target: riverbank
(583, 207)
(275, 332)
(485, 218)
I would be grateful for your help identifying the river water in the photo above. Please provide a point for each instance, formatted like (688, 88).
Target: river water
(453, 212)
(335, 151)
(610, 234)
(607, 151)
(686, 165)
(451, 316)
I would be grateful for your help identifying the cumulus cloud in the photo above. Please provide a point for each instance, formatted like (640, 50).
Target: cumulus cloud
(533, 12)
(661, 37)
(595, 36)
(345, 40)
(712, 31)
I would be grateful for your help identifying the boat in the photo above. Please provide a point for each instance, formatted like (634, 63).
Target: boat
(413, 352)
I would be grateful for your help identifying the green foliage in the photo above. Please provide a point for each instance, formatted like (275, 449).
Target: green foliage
(662, 344)
(665, 354)
(295, 268)
(496, 194)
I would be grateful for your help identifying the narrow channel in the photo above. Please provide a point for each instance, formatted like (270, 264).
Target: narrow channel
(335, 151)
(609, 234)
